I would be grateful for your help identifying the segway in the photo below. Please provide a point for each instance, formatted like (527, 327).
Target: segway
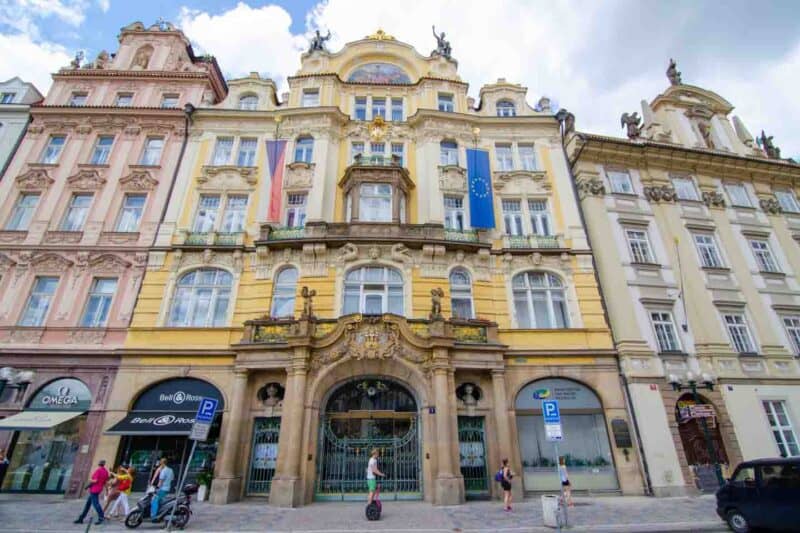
(373, 510)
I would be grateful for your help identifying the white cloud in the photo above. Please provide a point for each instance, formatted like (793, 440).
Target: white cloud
(30, 61)
(104, 5)
(23, 14)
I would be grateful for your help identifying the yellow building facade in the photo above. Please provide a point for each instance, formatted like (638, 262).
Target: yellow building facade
(317, 270)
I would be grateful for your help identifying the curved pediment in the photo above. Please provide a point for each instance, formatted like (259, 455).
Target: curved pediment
(689, 96)
(227, 177)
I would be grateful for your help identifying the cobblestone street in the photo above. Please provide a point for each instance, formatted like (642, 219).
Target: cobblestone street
(630, 514)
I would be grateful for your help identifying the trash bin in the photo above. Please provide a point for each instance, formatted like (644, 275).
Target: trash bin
(550, 510)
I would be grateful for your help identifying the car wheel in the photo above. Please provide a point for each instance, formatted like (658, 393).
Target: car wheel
(737, 522)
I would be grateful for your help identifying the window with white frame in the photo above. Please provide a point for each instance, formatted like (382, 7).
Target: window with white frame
(235, 211)
(707, 250)
(539, 301)
(739, 332)
(398, 151)
(375, 202)
(377, 149)
(206, 217)
(506, 109)
(787, 201)
(35, 312)
(296, 210)
(378, 107)
(201, 299)
(454, 212)
(53, 149)
(22, 212)
(356, 149)
(360, 108)
(738, 195)
(461, 294)
(7, 98)
(283, 293)
(781, 427)
(223, 149)
(169, 101)
(763, 254)
(512, 217)
(620, 182)
(448, 153)
(124, 100)
(247, 152)
(505, 157)
(77, 210)
(101, 294)
(310, 97)
(248, 102)
(540, 217)
(527, 157)
(78, 99)
(151, 154)
(639, 246)
(684, 189)
(373, 290)
(664, 329)
(304, 149)
(397, 109)
(445, 102)
(102, 150)
(130, 213)
(792, 325)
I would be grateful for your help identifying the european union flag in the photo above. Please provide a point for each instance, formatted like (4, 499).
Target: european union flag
(481, 202)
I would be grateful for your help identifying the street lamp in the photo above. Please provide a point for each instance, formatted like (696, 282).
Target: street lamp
(708, 384)
(15, 379)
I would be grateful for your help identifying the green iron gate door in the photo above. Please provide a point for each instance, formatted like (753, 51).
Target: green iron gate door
(472, 448)
(264, 455)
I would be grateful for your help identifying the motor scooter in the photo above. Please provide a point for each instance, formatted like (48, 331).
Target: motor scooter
(374, 508)
(182, 513)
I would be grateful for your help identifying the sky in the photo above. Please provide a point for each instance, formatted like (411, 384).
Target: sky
(598, 59)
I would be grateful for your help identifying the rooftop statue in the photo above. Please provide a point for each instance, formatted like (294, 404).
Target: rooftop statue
(76, 63)
(318, 41)
(672, 73)
(633, 123)
(766, 144)
(442, 45)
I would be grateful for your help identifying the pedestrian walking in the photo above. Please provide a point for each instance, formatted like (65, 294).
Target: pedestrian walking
(3, 466)
(504, 475)
(111, 491)
(562, 472)
(124, 478)
(163, 483)
(372, 471)
(95, 486)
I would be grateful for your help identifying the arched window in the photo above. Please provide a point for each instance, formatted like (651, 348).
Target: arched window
(373, 290)
(304, 149)
(461, 294)
(448, 152)
(201, 298)
(248, 101)
(506, 109)
(283, 292)
(539, 301)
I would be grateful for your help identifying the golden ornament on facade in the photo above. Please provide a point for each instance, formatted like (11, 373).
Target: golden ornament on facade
(381, 35)
(377, 129)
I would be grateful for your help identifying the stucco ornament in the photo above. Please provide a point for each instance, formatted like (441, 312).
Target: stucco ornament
(142, 58)
(86, 180)
(138, 180)
(663, 193)
(673, 75)
(714, 199)
(34, 180)
(591, 187)
(770, 206)
(348, 252)
(633, 124)
(400, 253)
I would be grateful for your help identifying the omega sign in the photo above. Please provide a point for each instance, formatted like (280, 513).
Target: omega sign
(67, 394)
(64, 398)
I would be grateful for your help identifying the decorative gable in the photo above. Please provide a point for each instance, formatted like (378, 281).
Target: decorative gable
(227, 177)
(50, 262)
(138, 180)
(35, 179)
(108, 263)
(86, 180)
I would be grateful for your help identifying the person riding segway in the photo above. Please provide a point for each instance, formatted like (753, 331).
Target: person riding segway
(373, 510)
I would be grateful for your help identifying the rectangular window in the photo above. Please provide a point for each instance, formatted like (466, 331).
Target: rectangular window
(664, 328)
(739, 333)
(788, 201)
(512, 217)
(296, 210)
(7, 98)
(454, 212)
(684, 189)
(527, 157)
(377, 149)
(398, 151)
(781, 427)
(639, 245)
(222, 151)
(102, 150)
(738, 195)
(77, 211)
(378, 107)
(448, 153)
(505, 158)
(53, 149)
(446, 102)
(540, 217)
(78, 99)
(707, 250)
(247, 152)
(169, 101)
(792, 325)
(235, 211)
(95, 315)
(304, 150)
(620, 182)
(22, 213)
(360, 109)
(206, 217)
(764, 258)
(39, 302)
(375, 203)
(356, 148)
(310, 97)
(124, 99)
(151, 155)
(397, 109)
(131, 212)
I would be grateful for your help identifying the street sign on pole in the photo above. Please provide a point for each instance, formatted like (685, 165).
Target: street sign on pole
(552, 420)
(203, 419)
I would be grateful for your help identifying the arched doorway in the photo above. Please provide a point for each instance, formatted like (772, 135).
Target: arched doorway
(703, 446)
(359, 415)
(585, 445)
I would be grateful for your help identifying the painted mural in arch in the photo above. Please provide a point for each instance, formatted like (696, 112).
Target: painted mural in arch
(380, 73)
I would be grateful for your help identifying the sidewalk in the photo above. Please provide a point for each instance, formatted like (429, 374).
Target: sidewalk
(20, 513)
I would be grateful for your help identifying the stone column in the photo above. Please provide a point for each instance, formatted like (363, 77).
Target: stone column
(227, 486)
(503, 425)
(449, 485)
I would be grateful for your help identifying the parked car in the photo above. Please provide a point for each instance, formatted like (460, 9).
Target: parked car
(764, 493)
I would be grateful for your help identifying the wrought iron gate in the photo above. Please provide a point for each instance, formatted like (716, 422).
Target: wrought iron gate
(264, 455)
(472, 448)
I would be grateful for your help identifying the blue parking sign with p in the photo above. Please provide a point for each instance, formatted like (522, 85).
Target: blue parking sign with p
(206, 410)
(550, 412)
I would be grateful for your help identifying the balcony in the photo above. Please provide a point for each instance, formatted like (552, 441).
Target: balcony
(533, 242)
(361, 160)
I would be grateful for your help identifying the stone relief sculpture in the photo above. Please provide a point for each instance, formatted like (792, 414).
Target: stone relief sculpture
(142, 58)
(469, 394)
(766, 144)
(102, 60)
(705, 133)
(443, 47)
(348, 252)
(400, 253)
(308, 302)
(673, 74)
(318, 42)
(436, 303)
(632, 123)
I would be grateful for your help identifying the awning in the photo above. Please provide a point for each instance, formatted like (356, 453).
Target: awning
(37, 419)
(154, 423)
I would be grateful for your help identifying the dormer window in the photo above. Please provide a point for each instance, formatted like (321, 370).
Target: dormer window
(506, 109)
(7, 98)
(248, 102)
(78, 99)
(445, 102)
(169, 101)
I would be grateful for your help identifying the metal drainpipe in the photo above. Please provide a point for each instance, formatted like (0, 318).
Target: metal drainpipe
(648, 488)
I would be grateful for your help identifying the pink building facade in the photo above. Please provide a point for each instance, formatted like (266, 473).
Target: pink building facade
(80, 205)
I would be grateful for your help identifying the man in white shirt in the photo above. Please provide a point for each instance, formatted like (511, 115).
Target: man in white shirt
(372, 471)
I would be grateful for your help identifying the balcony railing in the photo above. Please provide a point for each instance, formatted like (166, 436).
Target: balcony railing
(213, 238)
(461, 235)
(532, 241)
(283, 234)
(362, 160)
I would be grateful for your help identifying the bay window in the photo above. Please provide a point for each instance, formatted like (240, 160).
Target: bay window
(375, 202)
